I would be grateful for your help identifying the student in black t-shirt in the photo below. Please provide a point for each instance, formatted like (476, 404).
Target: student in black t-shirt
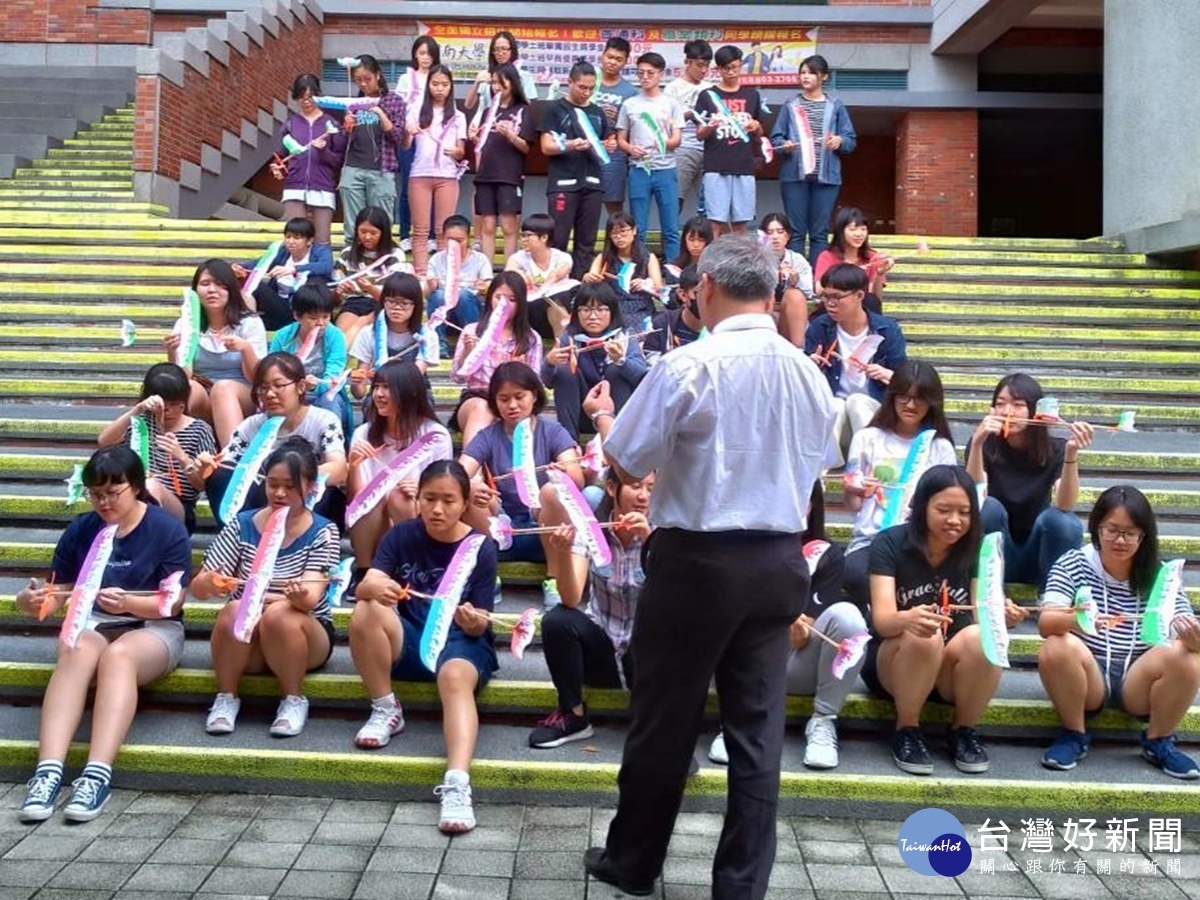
(573, 185)
(500, 160)
(1032, 480)
(921, 652)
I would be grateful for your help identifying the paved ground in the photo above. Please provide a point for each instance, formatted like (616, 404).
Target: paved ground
(220, 847)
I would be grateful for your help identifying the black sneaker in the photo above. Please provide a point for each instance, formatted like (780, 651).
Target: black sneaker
(910, 753)
(598, 865)
(969, 755)
(560, 728)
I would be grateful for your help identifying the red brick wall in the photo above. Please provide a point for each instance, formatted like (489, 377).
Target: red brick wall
(937, 172)
(869, 181)
(169, 23)
(204, 107)
(72, 22)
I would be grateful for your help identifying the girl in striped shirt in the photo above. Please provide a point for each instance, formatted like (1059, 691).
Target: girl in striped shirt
(295, 634)
(1082, 673)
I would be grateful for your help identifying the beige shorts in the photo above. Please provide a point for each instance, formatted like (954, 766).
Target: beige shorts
(169, 631)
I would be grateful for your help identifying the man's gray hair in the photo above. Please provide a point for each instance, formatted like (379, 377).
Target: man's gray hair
(740, 267)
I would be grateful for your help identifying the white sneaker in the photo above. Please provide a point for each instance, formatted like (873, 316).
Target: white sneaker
(458, 815)
(406, 245)
(222, 717)
(717, 752)
(290, 716)
(821, 742)
(384, 723)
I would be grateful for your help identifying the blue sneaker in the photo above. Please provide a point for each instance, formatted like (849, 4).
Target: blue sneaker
(88, 796)
(41, 796)
(1069, 748)
(1163, 753)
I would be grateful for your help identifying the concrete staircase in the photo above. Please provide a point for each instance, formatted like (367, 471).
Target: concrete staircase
(1103, 329)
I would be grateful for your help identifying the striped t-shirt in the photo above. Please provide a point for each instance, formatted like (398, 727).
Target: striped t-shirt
(814, 111)
(1118, 645)
(195, 437)
(317, 550)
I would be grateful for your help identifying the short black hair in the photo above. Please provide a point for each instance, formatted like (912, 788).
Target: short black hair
(726, 55)
(301, 227)
(541, 224)
(515, 372)
(312, 297)
(845, 277)
(652, 59)
(306, 84)
(449, 468)
(619, 44)
(168, 381)
(688, 278)
(298, 455)
(581, 69)
(457, 221)
(698, 49)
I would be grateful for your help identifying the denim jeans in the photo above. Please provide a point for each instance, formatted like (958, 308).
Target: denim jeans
(470, 305)
(1054, 532)
(403, 217)
(808, 206)
(663, 186)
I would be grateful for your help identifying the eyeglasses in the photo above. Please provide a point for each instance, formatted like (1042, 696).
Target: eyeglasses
(1114, 534)
(910, 400)
(106, 498)
(276, 387)
(399, 303)
(836, 298)
(594, 311)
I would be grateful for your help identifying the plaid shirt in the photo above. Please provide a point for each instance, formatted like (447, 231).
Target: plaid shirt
(392, 104)
(613, 592)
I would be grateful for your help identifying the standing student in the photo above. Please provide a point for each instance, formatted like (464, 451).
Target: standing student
(426, 53)
(126, 642)
(503, 49)
(1032, 478)
(175, 440)
(310, 179)
(685, 90)
(573, 184)
(370, 167)
(500, 174)
(232, 340)
(1083, 673)
(729, 188)
(387, 624)
(757, 463)
(920, 653)
(439, 133)
(295, 633)
(834, 338)
(812, 133)
(649, 130)
(611, 93)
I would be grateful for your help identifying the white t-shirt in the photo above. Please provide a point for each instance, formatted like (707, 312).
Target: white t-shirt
(522, 262)
(368, 468)
(854, 379)
(685, 93)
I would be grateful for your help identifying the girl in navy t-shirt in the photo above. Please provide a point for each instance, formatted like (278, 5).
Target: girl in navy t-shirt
(126, 641)
(386, 629)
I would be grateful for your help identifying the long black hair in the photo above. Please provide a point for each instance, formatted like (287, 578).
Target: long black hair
(513, 46)
(699, 226)
(935, 480)
(405, 384)
(523, 333)
(1134, 502)
(845, 218)
(222, 273)
(425, 116)
(611, 260)
(371, 64)
(1037, 440)
(378, 217)
(921, 380)
(510, 73)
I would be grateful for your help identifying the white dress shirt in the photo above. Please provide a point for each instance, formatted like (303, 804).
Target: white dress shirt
(735, 426)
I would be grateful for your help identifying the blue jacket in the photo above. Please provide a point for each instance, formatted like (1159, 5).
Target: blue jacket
(822, 331)
(837, 121)
(319, 265)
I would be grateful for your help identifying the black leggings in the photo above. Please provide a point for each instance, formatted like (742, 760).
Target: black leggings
(579, 652)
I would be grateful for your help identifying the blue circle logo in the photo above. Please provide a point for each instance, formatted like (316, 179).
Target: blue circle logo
(933, 842)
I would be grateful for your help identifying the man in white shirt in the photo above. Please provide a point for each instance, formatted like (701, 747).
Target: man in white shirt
(689, 158)
(735, 426)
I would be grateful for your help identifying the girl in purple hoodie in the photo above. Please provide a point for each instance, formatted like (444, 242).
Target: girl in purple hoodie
(310, 177)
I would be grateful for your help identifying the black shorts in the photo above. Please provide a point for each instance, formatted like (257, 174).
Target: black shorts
(359, 305)
(472, 393)
(494, 199)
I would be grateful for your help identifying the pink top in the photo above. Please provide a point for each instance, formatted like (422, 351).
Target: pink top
(830, 258)
(430, 161)
(502, 352)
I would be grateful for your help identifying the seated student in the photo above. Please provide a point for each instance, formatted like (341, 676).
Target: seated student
(810, 662)
(359, 297)
(175, 439)
(126, 641)
(1083, 673)
(586, 638)
(850, 245)
(632, 270)
(312, 307)
(279, 387)
(232, 341)
(697, 234)
(913, 403)
(295, 634)
(516, 342)
(676, 327)
(400, 413)
(403, 305)
(833, 339)
(595, 347)
(795, 286)
(1032, 479)
(515, 393)
(473, 277)
(920, 654)
(296, 261)
(387, 624)
(547, 273)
